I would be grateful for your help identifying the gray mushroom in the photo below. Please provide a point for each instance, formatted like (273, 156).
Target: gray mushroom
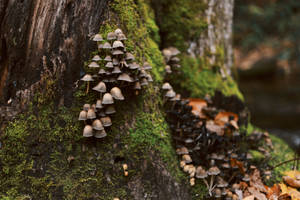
(96, 58)
(107, 99)
(86, 107)
(108, 58)
(109, 65)
(147, 66)
(166, 86)
(129, 56)
(99, 104)
(116, 70)
(117, 52)
(82, 116)
(134, 65)
(100, 134)
(102, 71)
(116, 93)
(110, 110)
(170, 93)
(125, 77)
(117, 44)
(118, 31)
(111, 36)
(182, 151)
(106, 121)
(100, 87)
(87, 78)
(97, 125)
(122, 37)
(91, 114)
(88, 131)
(106, 45)
(97, 38)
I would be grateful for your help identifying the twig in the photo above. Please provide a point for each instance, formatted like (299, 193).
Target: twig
(284, 162)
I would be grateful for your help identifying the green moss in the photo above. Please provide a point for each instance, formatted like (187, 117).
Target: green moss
(203, 79)
(257, 156)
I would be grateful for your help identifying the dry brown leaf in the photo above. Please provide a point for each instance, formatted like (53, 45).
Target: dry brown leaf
(236, 163)
(294, 174)
(257, 193)
(198, 105)
(256, 181)
(214, 128)
(292, 192)
(251, 197)
(224, 117)
(291, 182)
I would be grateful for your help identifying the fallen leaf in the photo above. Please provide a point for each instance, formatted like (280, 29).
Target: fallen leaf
(224, 117)
(294, 174)
(292, 192)
(236, 163)
(257, 194)
(197, 106)
(291, 182)
(214, 128)
(251, 197)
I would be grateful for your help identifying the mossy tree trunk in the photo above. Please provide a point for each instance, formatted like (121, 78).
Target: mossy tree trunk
(44, 45)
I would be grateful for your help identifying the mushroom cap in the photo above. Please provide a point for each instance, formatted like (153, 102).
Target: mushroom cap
(149, 78)
(225, 166)
(82, 115)
(117, 44)
(129, 56)
(143, 73)
(116, 93)
(88, 131)
(170, 93)
(97, 125)
(134, 65)
(86, 107)
(221, 183)
(167, 86)
(117, 52)
(144, 82)
(100, 134)
(96, 58)
(217, 193)
(200, 172)
(107, 58)
(246, 178)
(100, 87)
(110, 110)
(97, 38)
(176, 98)
(106, 121)
(147, 66)
(111, 36)
(91, 114)
(93, 65)
(107, 99)
(182, 150)
(102, 71)
(106, 45)
(87, 77)
(118, 31)
(115, 61)
(167, 53)
(125, 77)
(122, 37)
(168, 69)
(100, 46)
(174, 51)
(137, 86)
(213, 171)
(109, 65)
(187, 158)
(175, 59)
(116, 70)
(99, 104)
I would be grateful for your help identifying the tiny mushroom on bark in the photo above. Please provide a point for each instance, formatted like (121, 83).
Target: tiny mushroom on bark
(96, 58)
(116, 93)
(93, 65)
(82, 115)
(88, 131)
(87, 78)
(97, 38)
(97, 125)
(100, 134)
(91, 114)
(110, 110)
(106, 121)
(107, 99)
(166, 86)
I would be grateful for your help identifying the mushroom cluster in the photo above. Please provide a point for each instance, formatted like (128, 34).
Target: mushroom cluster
(172, 61)
(206, 154)
(110, 72)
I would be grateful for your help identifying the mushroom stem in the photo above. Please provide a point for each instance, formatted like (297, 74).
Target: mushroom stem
(87, 88)
(211, 184)
(100, 95)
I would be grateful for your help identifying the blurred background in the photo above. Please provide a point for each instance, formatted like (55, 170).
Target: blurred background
(267, 57)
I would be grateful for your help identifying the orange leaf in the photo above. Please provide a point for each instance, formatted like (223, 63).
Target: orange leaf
(224, 117)
(236, 163)
(197, 105)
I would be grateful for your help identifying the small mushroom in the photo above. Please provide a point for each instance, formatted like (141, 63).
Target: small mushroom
(102, 71)
(134, 65)
(118, 31)
(221, 183)
(182, 151)
(86, 107)
(97, 125)
(109, 65)
(166, 86)
(125, 77)
(187, 159)
(175, 59)
(110, 110)
(149, 78)
(106, 45)
(137, 86)
(147, 66)
(88, 131)
(117, 52)
(106, 121)
(117, 44)
(144, 82)
(170, 93)
(168, 69)
(96, 58)
(107, 99)
(87, 78)
(125, 167)
(116, 93)
(116, 70)
(97, 38)
(107, 58)
(246, 178)
(111, 36)
(82, 116)
(100, 134)
(182, 164)
(192, 181)
(99, 104)
(100, 87)
(91, 114)
(122, 37)
(115, 61)
(213, 171)
(129, 56)
(217, 193)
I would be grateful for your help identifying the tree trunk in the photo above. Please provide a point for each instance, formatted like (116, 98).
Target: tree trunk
(44, 45)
